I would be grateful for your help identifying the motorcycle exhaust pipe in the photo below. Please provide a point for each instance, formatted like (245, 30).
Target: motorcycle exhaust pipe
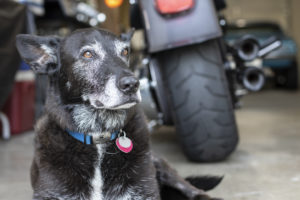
(253, 79)
(247, 48)
(270, 45)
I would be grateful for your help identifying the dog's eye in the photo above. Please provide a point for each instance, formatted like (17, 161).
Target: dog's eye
(87, 54)
(125, 52)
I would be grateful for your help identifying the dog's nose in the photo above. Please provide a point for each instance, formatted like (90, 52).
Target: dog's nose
(129, 84)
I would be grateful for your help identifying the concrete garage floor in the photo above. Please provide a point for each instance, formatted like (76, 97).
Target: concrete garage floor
(265, 166)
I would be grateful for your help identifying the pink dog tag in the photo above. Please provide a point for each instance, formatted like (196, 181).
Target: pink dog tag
(124, 144)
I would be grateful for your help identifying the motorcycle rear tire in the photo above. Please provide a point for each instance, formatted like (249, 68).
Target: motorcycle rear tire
(200, 100)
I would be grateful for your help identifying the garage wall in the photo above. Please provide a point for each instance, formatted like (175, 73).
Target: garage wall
(271, 10)
(285, 12)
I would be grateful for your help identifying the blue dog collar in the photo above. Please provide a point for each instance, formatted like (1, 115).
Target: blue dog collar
(88, 139)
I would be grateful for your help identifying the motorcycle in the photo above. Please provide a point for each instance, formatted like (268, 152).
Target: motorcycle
(186, 73)
(183, 80)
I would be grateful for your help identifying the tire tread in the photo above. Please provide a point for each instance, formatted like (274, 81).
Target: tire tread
(205, 126)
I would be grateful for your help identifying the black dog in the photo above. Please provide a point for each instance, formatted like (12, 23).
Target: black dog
(92, 142)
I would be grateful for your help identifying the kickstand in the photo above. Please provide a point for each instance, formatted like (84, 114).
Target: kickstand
(5, 126)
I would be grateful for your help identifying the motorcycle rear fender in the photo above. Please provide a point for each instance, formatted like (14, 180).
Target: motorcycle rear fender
(166, 32)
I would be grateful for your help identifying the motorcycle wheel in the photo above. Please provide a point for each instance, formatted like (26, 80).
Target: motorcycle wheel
(200, 101)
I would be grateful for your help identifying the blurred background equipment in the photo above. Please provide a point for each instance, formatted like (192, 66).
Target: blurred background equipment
(13, 21)
(282, 61)
(61, 17)
(272, 17)
(244, 63)
(113, 3)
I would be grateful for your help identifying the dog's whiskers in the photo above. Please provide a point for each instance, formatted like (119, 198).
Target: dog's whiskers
(109, 153)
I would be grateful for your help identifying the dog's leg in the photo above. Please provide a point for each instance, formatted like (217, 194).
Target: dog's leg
(169, 178)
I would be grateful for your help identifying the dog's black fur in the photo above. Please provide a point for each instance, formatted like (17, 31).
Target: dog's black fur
(64, 168)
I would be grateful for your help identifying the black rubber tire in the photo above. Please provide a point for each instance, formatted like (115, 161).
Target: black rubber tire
(200, 100)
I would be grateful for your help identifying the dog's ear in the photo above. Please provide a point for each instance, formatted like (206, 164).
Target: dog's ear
(127, 36)
(40, 53)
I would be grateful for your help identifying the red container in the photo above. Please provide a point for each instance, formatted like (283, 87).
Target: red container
(19, 107)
